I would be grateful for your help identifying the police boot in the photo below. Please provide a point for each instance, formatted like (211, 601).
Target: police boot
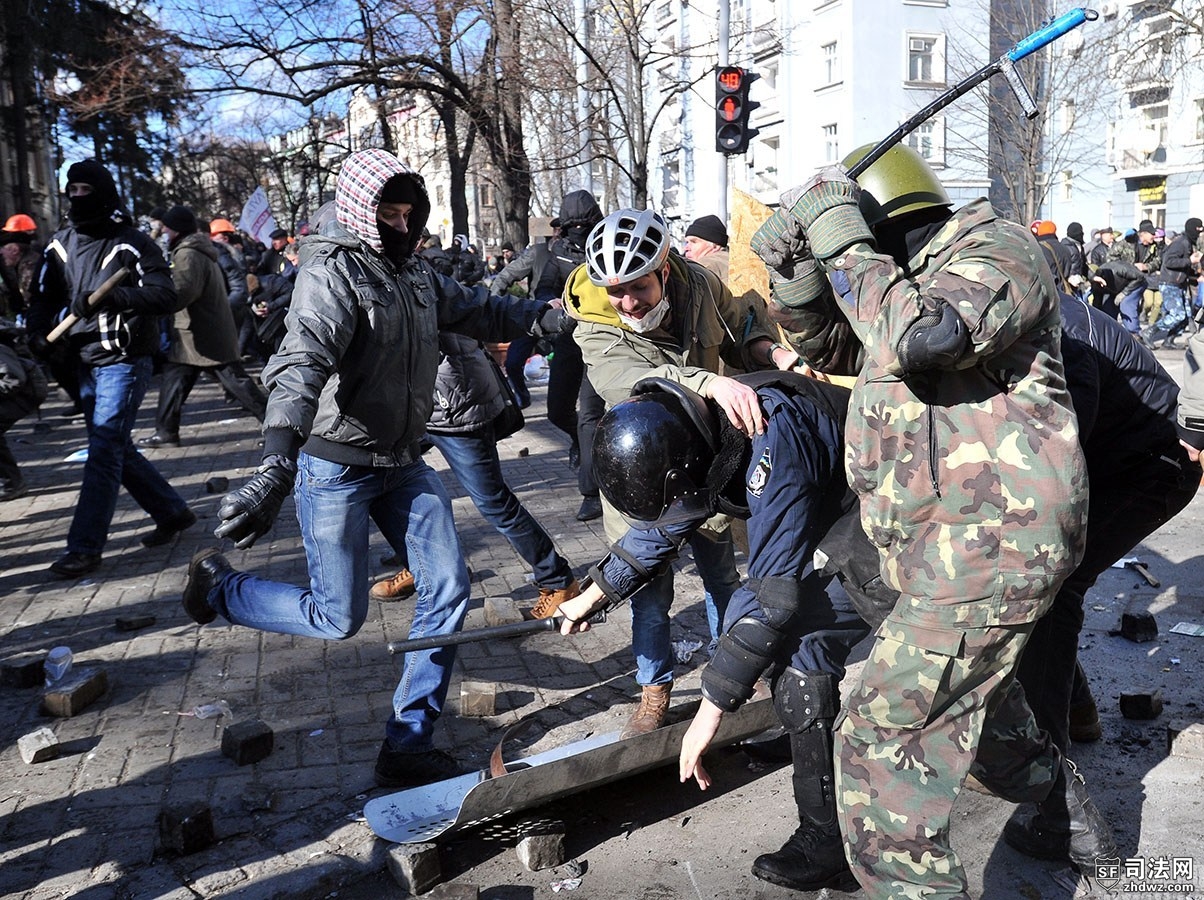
(1067, 824)
(813, 857)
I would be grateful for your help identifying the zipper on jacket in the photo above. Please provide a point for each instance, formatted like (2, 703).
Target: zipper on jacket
(933, 462)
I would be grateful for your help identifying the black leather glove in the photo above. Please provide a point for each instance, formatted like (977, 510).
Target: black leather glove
(551, 322)
(936, 340)
(248, 513)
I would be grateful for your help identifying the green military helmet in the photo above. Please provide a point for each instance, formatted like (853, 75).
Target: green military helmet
(899, 182)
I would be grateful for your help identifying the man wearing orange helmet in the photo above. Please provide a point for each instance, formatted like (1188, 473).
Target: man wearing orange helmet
(19, 256)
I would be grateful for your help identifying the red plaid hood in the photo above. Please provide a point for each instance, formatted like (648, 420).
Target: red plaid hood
(358, 190)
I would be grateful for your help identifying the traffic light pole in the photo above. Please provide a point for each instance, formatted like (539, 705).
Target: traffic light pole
(725, 21)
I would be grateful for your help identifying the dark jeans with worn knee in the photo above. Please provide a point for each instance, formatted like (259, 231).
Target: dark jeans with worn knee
(1124, 509)
(179, 379)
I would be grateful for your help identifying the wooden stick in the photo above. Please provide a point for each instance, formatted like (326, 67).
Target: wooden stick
(93, 298)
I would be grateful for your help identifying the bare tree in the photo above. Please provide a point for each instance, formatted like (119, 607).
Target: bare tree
(462, 55)
(1022, 155)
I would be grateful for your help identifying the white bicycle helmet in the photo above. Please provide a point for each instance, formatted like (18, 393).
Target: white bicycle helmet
(625, 245)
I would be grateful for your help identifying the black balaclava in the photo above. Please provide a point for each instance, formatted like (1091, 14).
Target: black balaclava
(398, 189)
(1192, 228)
(1074, 231)
(97, 207)
(904, 237)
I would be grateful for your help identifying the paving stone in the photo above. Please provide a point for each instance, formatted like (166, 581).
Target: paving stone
(186, 828)
(1141, 705)
(541, 845)
(1186, 739)
(501, 611)
(218, 484)
(134, 623)
(247, 742)
(72, 694)
(1138, 626)
(38, 746)
(478, 698)
(415, 867)
(24, 670)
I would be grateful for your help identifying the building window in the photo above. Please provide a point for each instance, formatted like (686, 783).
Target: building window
(925, 59)
(485, 194)
(928, 140)
(831, 144)
(1199, 134)
(1157, 120)
(1068, 115)
(1067, 184)
(831, 64)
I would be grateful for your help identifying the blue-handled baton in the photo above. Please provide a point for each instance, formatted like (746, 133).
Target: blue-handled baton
(1006, 64)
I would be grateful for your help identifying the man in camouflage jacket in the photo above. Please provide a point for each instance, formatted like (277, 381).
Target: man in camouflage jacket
(962, 446)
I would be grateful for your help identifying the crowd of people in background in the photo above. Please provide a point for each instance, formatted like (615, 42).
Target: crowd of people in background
(637, 329)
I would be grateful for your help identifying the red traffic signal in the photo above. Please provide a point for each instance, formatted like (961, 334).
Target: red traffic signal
(732, 109)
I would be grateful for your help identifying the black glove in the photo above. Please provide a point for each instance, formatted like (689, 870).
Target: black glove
(936, 340)
(80, 308)
(551, 322)
(248, 513)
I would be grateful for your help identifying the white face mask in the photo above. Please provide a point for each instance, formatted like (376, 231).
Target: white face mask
(651, 319)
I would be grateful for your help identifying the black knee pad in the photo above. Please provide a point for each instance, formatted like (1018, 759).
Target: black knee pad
(804, 698)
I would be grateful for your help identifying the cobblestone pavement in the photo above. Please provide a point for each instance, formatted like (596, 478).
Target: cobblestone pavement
(86, 824)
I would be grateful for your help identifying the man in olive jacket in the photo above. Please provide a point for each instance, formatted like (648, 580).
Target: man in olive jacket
(201, 334)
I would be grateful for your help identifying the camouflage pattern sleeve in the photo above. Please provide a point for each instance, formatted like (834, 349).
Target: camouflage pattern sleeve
(995, 280)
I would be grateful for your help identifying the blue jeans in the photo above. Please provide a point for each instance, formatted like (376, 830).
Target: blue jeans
(474, 461)
(413, 512)
(1174, 307)
(1130, 310)
(650, 605)
(111, 396)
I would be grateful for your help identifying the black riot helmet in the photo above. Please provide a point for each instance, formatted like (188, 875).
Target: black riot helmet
(655, 452)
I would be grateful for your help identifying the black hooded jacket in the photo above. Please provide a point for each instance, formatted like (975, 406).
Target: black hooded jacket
(547, 266)
(81, 257)
(1177, 268)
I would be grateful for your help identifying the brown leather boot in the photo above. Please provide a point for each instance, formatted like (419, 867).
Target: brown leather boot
(398, 587)
(654, 703)
(550, 600)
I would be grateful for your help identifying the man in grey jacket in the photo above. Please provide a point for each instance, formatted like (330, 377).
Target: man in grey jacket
(350, 391)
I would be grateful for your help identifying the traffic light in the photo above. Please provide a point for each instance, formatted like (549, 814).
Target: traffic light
(732, 109)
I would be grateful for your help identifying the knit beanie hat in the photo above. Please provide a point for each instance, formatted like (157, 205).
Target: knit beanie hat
(709, 228)
(180, 219)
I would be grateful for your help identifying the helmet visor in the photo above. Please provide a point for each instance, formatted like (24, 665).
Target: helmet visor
(684, 502)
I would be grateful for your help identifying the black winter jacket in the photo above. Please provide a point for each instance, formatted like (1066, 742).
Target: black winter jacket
(467, 393)
(236, 275)
(1125, 401)
(1176, 263)
(78, 262)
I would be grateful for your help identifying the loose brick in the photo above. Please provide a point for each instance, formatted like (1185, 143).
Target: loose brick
(74, 692)
(218, 484)
(541, 846)
(501, 611)
(24, 670)
(478, 698)
(134, 623)
(1141, 705)
(415, 867)
(247, 742)
(1138, 626)
(186, 827)
(1185, 739)
(39, 746)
